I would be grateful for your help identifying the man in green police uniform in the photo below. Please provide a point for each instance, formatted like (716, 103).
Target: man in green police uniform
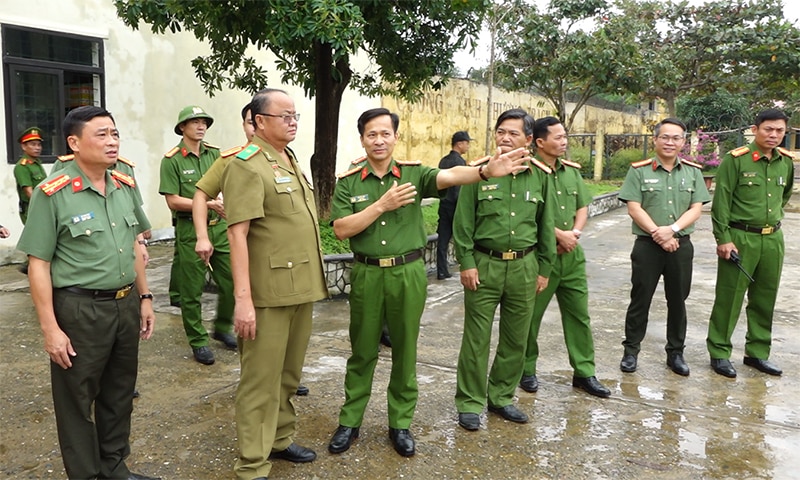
(375, 205)
(568, 278)
(276, 256)
(505, 245)
(181, 168)
(91, 296)
(665, 197)
(754, 183)
(28, 172)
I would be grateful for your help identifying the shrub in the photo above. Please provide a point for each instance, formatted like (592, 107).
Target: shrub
(620, 161)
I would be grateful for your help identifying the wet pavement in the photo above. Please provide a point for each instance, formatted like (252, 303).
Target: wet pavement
(656, 425)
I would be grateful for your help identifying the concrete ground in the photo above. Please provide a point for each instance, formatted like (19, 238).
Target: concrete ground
(656, 425)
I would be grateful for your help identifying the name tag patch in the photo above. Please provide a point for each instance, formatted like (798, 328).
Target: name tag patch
(359, 198)
(283, 179)
(188, 172)
(82, 217)
(749, 174)
(650, 180)
(490, 187)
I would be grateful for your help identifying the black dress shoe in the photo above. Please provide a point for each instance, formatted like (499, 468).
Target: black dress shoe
(763, 365)
(138, 476)
(628, 363)
(203, 355)
(469, 421)
(302, 391)
(678, 365)
(529, 383)
(723, 367)
(510, 413)
(295, 453)
(385, 340)
(342, 439)
(402, 441)
(226, 338)
(23, 269)
(174, 303)
(444, 276)
(135, 393)
(591, 386)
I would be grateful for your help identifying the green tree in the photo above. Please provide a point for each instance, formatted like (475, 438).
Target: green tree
(410, 45)
(715, 112)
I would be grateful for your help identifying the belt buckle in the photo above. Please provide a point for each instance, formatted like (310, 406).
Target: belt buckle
(386, 262)
(509, 255)
(123, 293)
(767, 230)
(213, 222)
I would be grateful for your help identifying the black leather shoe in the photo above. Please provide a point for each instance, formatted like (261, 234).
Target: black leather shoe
(723, 367)
(302, 391)
(510, 413)
(138, 476)
(174, 303)
(763, 366)
(203, 355)
(135, 393)
(529, 383)
(469, 421)
(295, 453)
(23, 269)
(628, 363)
(385, 340)
(402, 441)
(591, 386)
(444, 277)
(678, 365)
(342, 439)
(228, 339)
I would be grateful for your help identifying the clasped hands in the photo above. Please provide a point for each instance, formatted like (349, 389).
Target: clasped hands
(665, 238)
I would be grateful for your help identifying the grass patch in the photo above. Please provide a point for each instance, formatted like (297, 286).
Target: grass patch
(602, 187)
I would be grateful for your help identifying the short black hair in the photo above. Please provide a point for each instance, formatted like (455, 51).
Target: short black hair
(261, 101)
(541, 127)
(245, 109)
(517, 113)
(771, 114)
(78, 117)
(377, 112)
(668, 121)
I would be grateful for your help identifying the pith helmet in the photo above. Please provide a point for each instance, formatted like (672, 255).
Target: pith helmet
(33, 133)
(190, 112)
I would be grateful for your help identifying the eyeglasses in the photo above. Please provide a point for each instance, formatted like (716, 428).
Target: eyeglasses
(671, 138)
(287, 118)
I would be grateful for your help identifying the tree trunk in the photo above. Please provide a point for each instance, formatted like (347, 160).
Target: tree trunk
(327, 104)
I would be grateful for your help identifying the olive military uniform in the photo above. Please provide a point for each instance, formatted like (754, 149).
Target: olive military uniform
(504, 228)
(567, 280)
(89, 239)
(751, 191)
(180, 171)
(28, 172)
(388, 284)
(211, 183)
(665, 196)
(286, 277)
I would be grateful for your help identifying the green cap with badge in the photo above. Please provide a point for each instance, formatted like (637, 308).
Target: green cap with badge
(33, 133)
(190, 112)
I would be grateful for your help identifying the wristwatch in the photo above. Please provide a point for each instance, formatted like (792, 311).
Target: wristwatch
(146, 296)
(675, 228)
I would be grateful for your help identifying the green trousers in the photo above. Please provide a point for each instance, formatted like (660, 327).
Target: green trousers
(512, 285)
(395, 296)
(174, 293)
(762, 258)
(568, 283)
(192, 277)
(92, 399)
(271, 367)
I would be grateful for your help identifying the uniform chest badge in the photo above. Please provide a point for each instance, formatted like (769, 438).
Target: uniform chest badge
(359, 198)
(749, 174)
(283, 179)
(490, 187)
(83, 217)
(189, 172)
(650, 180)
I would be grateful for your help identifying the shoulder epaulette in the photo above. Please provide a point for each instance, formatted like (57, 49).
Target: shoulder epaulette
(789, 153)
(126, 162)
(358, 160)
(172, 152)
(54, 185)
(124, 178)
(248, 152)
(479, 161)
(690, 163)
(25, 161)
(572, 164)
(66, 158)
(542, 166)
(408, 163)
(208, 145)
(738, 152)
(231, 151)
(349, 172)
(642, 163)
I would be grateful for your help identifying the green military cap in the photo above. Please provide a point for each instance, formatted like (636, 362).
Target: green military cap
(33, 133)
(190, 112)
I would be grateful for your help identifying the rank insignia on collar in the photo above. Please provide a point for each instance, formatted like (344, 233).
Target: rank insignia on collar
(364, 173)
(77, 184)
(54, 185)
(248, 152)
(738, 152)
(396, 171)
(642, 163)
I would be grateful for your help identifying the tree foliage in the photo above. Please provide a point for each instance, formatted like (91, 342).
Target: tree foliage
(714, 112)
(410, 45)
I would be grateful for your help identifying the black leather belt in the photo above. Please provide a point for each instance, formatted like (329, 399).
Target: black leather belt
(682, 239)
(765, 230)
(87, 292)
(391, 261)
(507, 255)
(211, 220)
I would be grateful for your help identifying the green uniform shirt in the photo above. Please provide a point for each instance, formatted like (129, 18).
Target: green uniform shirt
(181, 170)
(88, 238)
(750, 189)
(211, 183)
(393, 233)
(664, 195)
(507, 213)
(285, 254)
(28, 172)
(570, 193)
